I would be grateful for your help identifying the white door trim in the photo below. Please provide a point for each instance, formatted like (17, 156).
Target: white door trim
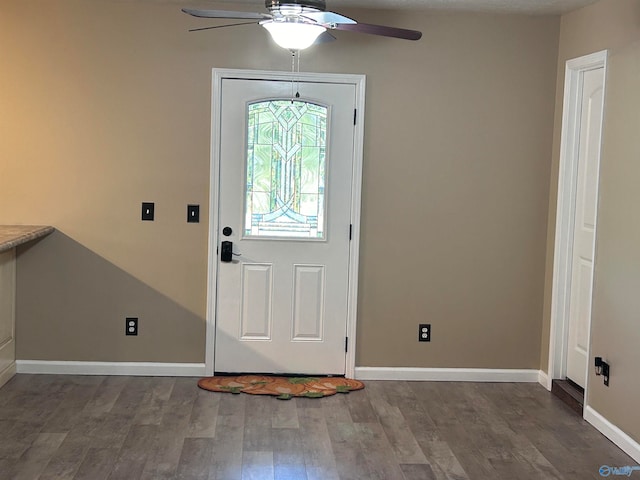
(359, 81)
(567, 180)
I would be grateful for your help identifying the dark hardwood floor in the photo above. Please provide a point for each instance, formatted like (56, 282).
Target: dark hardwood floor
(152, 428)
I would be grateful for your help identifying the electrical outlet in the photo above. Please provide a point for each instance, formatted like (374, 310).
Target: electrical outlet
(131, 326)
(424, 332)
(147, 211)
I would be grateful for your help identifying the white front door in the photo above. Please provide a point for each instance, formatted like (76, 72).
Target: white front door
(584, 226)
(285, 195)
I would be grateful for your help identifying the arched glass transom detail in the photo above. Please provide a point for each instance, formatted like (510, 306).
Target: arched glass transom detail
(286, 169)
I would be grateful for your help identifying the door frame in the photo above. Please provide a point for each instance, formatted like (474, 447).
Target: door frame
(359, 81)
(566, 203)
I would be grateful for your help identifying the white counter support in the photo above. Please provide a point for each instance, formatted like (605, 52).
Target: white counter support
(7, 315)
(11, 236)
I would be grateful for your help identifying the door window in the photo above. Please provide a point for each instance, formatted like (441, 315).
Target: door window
(286, 169)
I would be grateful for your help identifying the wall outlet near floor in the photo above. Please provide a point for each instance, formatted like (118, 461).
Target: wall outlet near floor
(424, 332)
(131, 326)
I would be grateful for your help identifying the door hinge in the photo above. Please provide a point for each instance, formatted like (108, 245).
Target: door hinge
(355, 115)
(350, 230)
(346, 344)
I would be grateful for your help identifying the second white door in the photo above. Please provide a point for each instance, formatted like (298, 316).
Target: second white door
(585, 225)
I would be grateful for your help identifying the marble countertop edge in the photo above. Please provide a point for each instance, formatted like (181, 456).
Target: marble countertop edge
(12, 236)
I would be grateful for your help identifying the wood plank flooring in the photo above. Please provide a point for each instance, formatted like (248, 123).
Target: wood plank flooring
(152, 428)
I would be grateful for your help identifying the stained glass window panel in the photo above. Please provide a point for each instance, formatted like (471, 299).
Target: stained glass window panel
(286, 169)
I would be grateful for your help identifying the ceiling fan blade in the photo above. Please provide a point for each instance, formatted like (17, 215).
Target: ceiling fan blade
(226, 14)
(381, 30)
(324, 37)
(325, 18)
(222, 26)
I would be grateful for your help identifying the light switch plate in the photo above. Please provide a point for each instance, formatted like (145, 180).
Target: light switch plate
(148, 211)
(193, 213)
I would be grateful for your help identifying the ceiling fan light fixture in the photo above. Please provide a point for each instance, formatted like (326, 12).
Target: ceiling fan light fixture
(293, 35)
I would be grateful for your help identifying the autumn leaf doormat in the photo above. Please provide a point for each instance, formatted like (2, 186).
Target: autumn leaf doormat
(284, 388)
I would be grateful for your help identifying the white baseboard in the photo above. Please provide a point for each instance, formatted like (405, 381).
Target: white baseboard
(7, 373)
(543, 379)
(627, 444)
(447, 374)
(150, 369)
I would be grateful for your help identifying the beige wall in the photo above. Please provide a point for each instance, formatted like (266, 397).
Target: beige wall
(107, 104)
(612, 25)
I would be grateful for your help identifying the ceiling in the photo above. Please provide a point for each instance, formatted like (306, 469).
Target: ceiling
(534, 7)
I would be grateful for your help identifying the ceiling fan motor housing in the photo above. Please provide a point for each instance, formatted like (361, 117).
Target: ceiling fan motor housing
(310, 15)
(315, 5)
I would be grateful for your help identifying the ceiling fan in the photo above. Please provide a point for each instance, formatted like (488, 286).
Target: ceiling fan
(298, 24)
